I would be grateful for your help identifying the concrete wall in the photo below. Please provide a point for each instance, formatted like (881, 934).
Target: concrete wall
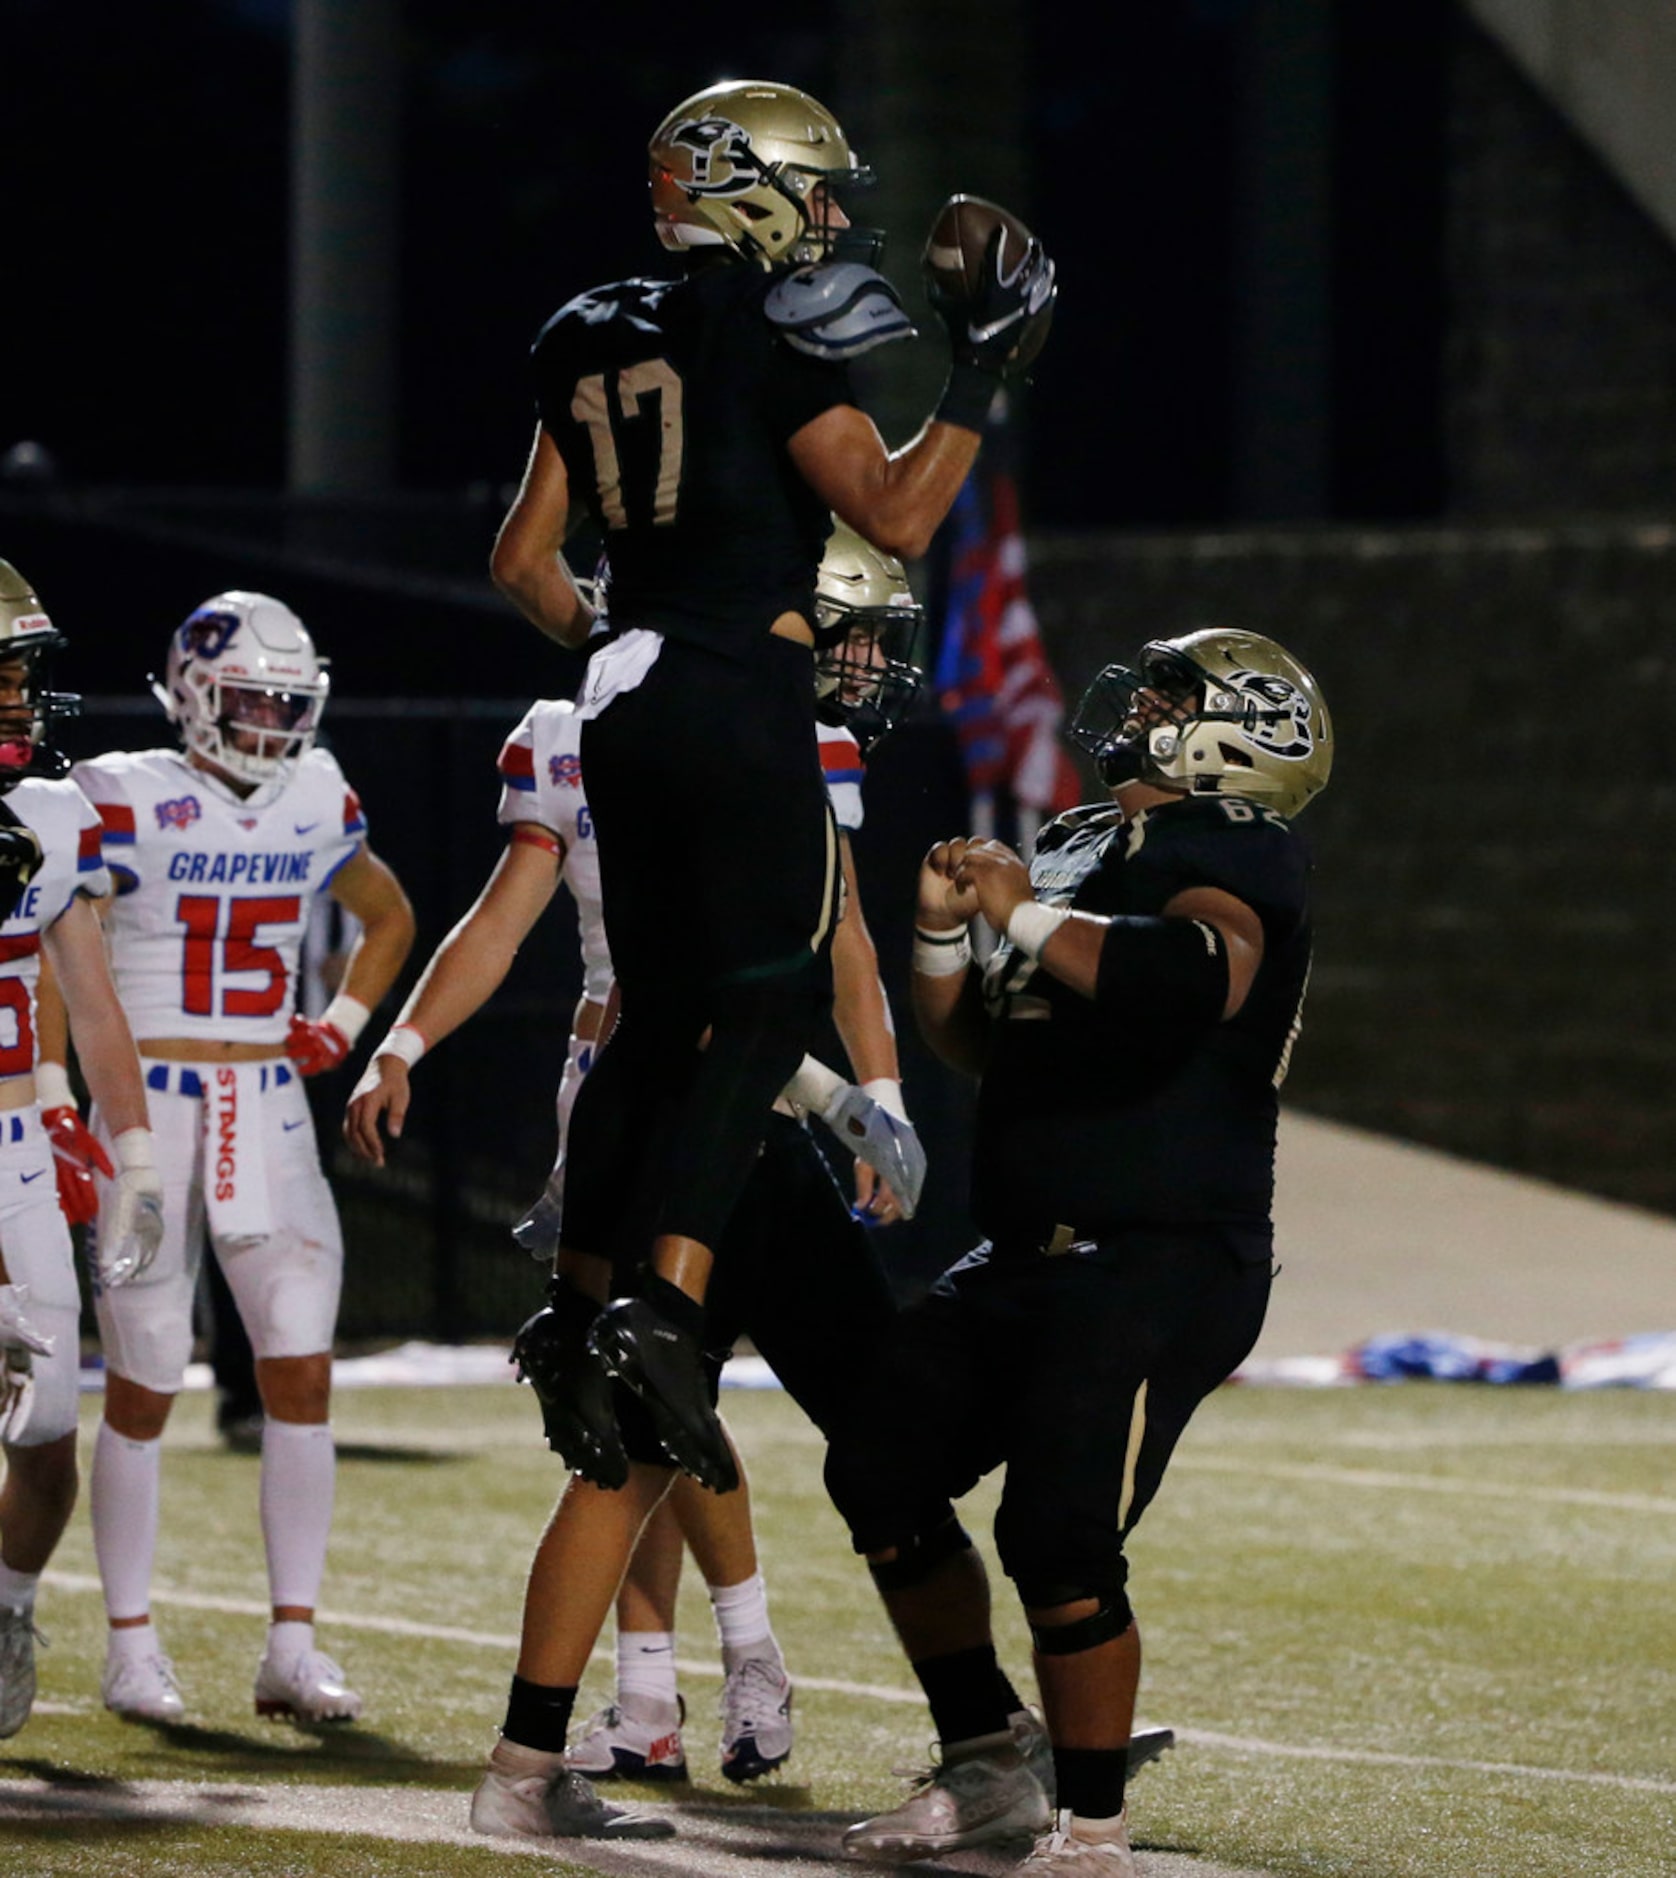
(1560, 337)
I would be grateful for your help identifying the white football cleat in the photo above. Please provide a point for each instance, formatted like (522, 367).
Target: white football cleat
(525, 1794)
(141, 1687)
(17, 1668)
(756, 1718)
(1061, 1853)
(305, 1686)
(983, 1791)
(616, 1746)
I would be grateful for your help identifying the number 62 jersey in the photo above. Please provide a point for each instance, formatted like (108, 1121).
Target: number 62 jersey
(213, 893)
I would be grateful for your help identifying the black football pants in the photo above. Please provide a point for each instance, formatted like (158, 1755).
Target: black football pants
(719, 877)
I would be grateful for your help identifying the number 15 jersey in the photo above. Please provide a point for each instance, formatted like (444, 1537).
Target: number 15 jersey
(213, 893)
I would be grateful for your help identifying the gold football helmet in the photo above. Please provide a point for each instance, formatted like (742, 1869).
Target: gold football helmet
(737, 166)
(27, 637)
(1214, 712)
(867, 629)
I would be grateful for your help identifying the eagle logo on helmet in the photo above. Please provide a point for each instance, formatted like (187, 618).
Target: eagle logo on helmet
(721, 158)
(1279, 720)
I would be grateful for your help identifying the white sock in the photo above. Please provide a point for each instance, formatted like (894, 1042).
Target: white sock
(289, 1639)
(299, 1474)
(742, 1621)
(646, 1673)
(132, 1640)
(123, 1496)
(17, 1589)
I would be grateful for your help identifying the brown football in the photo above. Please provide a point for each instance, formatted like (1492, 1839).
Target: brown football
(959, 239)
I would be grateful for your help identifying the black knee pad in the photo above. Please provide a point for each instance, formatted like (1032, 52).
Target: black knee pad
(1111, 1616)
(919, 1556)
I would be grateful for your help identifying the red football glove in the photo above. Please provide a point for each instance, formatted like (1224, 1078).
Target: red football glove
(75, 1156)
(316, 1044)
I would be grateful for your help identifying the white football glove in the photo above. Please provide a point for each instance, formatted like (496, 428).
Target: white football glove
(20, 1344)
(538, 1231)
(866, 1124)
(131, 1220)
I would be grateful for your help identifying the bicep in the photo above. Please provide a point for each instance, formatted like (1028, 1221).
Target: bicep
(366, 887)
(841, 456)
(1241, 930)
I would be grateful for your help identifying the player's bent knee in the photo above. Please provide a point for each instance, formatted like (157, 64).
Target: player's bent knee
(1111, 1617)
(918, 1556)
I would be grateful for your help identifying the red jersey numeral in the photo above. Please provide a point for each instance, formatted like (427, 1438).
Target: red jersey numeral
(17, 1033)
(215, 950)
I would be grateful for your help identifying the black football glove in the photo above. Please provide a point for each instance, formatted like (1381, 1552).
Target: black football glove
(20, 860)
(1000, 327)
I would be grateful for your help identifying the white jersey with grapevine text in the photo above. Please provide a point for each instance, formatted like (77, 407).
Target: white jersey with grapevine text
(541, 782)
(213, 894)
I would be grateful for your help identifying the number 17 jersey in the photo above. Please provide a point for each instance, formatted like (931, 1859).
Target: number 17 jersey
(213, 893)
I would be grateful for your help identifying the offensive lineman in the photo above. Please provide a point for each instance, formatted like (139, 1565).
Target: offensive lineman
(707, 424)
(51, 914)
(217, 851)
(794, 1265)
(1130, 1033)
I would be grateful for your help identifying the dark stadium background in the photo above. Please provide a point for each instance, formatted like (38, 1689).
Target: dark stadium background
(1359, 343)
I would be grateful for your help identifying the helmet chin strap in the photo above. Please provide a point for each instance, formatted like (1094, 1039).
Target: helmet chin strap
(1125, 763)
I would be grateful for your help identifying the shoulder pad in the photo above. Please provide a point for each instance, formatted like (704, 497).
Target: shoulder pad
(837, 310)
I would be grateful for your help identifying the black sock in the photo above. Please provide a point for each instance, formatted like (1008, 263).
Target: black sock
(1091, 1780)
(537, 1716)
(671, 1302)
(967, 1692)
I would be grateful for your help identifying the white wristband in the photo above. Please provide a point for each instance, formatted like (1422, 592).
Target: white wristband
(1031, 925)
(814, 1086)
(134, 1149)
(346, 1014)
(404, 1042)
(887, 1092)
(52, 1086)
(941, 955)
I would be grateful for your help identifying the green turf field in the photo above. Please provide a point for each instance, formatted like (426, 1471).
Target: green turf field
(1415, 1630)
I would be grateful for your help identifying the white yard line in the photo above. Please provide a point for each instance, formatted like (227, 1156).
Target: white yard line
(1424, 1483)
(878, 1692)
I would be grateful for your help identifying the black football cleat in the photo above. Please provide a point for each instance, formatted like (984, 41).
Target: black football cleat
(642, 1349)
(553, 1355)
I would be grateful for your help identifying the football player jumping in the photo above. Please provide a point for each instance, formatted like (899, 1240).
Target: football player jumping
(794, 1267)
(1130, 1033)
(707, 424)
(51, 873)
(217, 851)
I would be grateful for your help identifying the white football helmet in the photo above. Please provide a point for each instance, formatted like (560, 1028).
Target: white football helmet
(244, 687)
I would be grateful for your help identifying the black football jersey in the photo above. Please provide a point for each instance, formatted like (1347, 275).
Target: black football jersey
(1094, 1123)
(671, 402)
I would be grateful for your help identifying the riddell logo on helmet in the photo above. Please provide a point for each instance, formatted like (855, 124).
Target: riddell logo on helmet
(226, 1133)
(30, 623)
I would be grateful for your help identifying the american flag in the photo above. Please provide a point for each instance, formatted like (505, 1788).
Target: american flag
(993, 678)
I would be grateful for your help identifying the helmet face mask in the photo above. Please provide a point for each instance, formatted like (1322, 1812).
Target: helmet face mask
(29, 710)
(867, 638)
(245, 688)
(757, 168)
(1215, 712)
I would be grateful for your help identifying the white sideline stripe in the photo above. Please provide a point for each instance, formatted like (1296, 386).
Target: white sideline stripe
(877, 1692)
(448, 1633)
(1369, 1757)
(1426, 1483)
